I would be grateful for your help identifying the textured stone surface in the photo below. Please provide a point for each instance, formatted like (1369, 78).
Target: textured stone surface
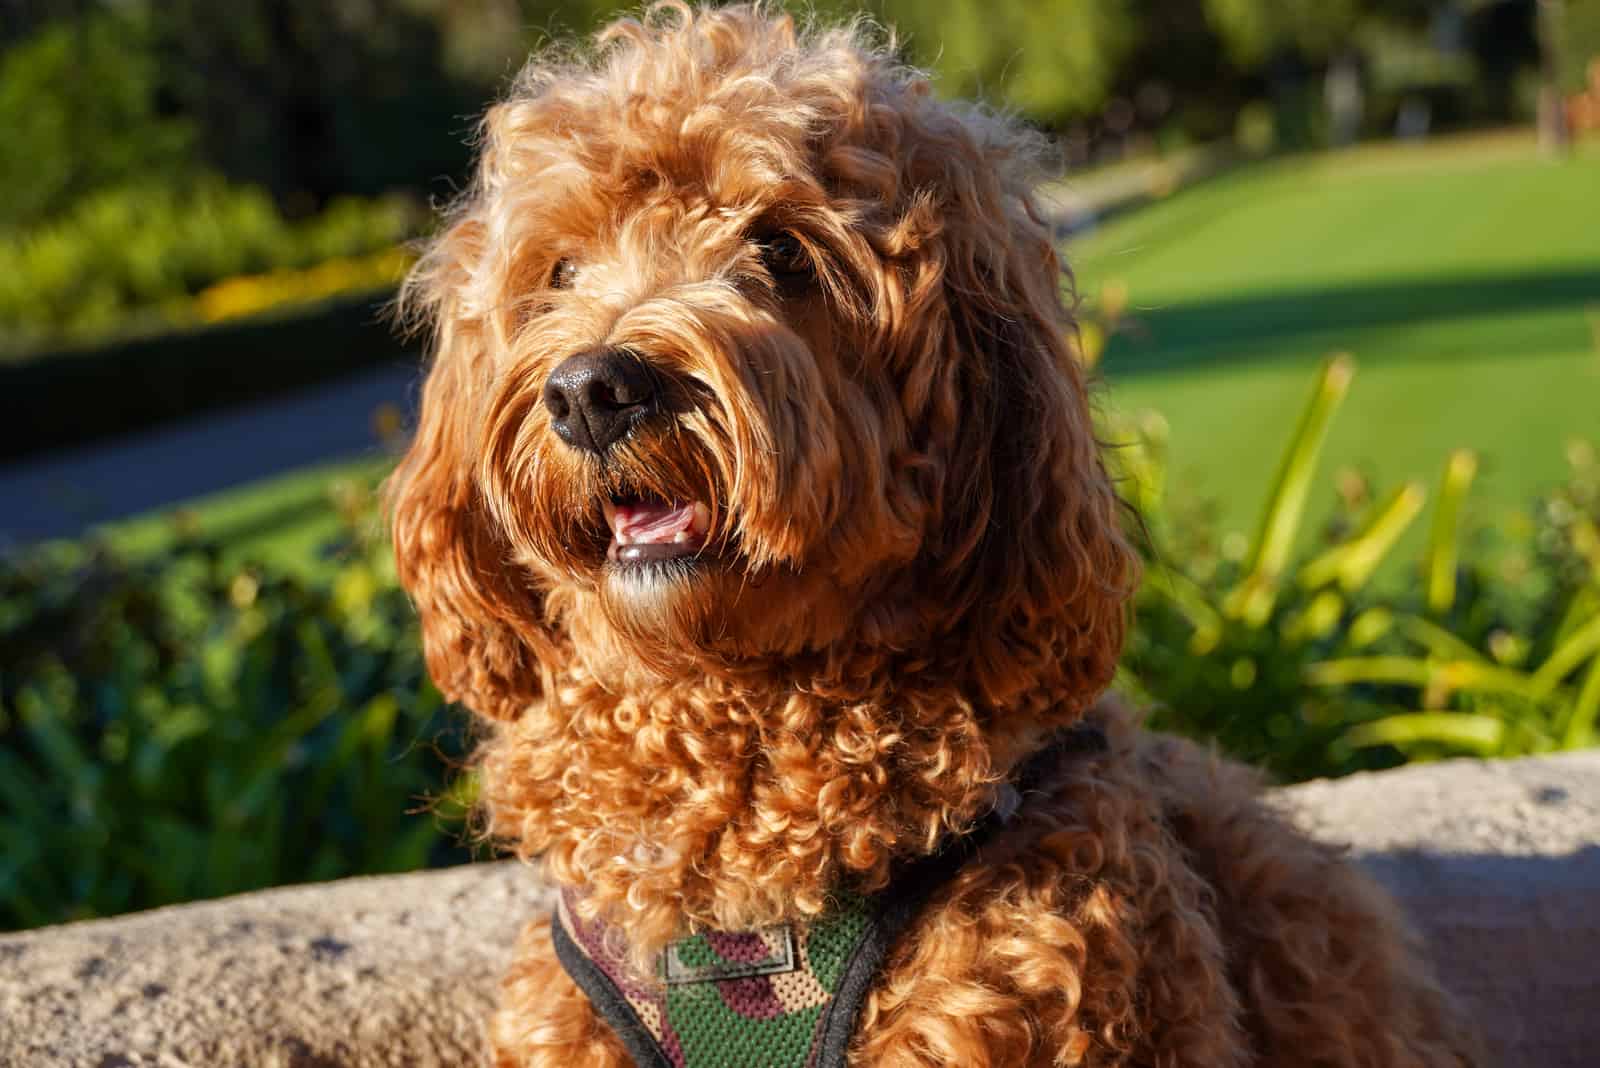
(395, 970)
(1498, 864)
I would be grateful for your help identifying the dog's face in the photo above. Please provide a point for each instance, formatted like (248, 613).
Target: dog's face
(679, 385)
(749, 353)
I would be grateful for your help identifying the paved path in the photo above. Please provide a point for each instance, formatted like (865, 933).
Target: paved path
(62, 493)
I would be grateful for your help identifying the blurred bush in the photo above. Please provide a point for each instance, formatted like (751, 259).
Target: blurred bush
(251, 294)
(81, 107)
(153, 150)
(307, 100)
(142, 250)
(174, 727)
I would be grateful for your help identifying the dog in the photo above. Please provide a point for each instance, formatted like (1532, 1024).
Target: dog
(756, 510)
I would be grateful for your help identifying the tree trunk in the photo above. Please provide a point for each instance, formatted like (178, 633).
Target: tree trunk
(1555, 135)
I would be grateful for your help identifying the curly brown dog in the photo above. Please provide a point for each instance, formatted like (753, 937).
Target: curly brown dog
(757, 510)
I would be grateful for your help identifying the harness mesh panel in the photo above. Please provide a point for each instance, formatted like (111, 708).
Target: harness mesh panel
(728, 1000)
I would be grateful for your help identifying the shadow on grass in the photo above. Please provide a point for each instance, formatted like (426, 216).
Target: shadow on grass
(1268, 325)
(264, 525)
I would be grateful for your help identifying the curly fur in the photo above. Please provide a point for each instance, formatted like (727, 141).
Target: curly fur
(919, 572)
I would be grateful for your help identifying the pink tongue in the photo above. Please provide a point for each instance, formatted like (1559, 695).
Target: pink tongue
(651, 524)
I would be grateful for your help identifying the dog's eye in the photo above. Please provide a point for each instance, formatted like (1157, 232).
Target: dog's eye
(785, 256)
(563, 274)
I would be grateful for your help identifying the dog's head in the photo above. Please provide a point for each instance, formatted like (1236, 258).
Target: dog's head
(750, 351)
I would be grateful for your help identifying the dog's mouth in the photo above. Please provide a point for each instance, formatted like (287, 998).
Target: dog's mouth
(647, 529)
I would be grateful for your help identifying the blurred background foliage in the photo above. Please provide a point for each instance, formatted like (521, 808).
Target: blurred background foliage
(115, 111)
(149, 251)
(231, 696)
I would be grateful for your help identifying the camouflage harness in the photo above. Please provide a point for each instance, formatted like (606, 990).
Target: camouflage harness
(786, 996)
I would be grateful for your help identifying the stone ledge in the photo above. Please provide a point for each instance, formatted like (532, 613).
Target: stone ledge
(1498, 864)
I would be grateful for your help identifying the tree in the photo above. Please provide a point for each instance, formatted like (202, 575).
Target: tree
(80, 109)
(1052, 60)
(1254, 31)
(1553, 133)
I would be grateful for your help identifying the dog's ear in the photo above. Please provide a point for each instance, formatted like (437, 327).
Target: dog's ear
(484, 636)
(1033, 544)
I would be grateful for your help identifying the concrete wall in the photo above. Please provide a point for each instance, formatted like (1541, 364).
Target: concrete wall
(1498, 864)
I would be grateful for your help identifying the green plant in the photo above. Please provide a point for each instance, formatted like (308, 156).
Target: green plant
(174, 727)
(1308, 667)
(1502, 656)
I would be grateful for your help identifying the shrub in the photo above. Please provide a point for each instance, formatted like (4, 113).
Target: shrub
(79, 107)
(1309, 667)
(140, 251)
(251, 294)
(174, 728)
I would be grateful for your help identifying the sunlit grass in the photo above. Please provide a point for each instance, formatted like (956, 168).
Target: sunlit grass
(1460, 274)
(286, 520)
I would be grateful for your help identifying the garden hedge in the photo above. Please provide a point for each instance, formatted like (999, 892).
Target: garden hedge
(71, 396)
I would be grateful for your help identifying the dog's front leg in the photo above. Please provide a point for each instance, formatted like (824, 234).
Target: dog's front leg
(544, 1020)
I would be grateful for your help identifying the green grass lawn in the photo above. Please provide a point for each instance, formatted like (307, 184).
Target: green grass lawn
(285, 521)
(1464, 276)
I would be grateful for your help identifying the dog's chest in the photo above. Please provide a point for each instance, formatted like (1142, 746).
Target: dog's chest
(786, 996)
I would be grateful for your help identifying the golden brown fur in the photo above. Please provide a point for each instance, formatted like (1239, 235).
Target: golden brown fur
(915, 570)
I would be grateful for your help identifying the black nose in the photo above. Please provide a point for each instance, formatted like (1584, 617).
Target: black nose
(595, 397)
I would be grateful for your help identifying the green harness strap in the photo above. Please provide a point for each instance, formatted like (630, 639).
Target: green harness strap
(786, 996)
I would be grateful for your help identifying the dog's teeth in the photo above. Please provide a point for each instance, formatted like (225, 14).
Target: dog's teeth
(701, 521)
(680, 537)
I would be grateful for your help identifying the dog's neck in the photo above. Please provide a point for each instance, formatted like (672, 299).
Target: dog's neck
(731, 801)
